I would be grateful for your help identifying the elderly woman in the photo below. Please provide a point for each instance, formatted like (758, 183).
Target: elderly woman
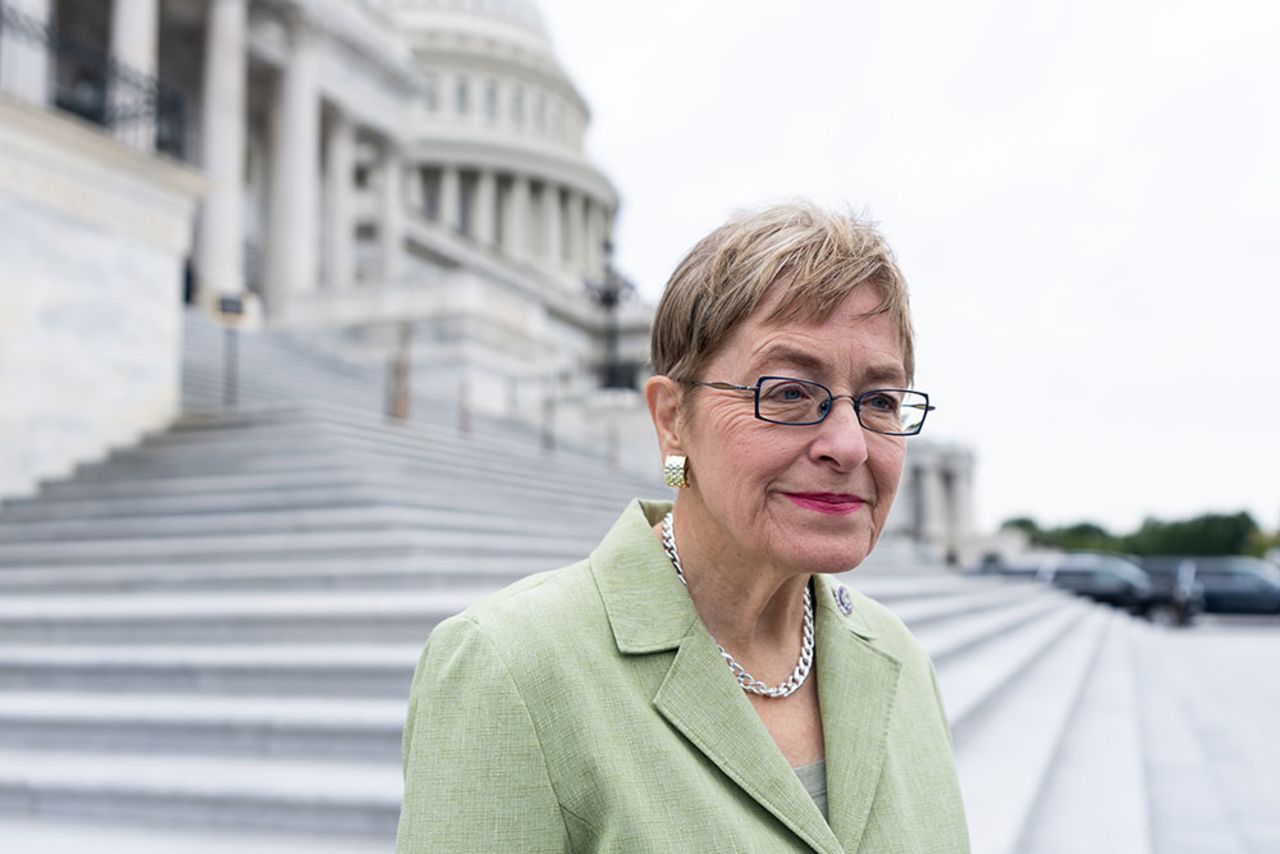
(700, 683)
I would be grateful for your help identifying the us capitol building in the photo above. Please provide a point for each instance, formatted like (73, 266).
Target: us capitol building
(359, 174)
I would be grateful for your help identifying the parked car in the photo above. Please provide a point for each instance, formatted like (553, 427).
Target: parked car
(1105, 578)
(1238, 585)
(1178, 596)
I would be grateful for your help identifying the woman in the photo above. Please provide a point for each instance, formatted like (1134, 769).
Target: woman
(700, 683)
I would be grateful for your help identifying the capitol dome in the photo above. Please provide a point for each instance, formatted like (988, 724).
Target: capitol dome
(518, 21)
(497, 137)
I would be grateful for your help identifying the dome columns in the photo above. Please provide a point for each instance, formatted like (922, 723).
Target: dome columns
(485, 209)
(553, 225)
(517, 219)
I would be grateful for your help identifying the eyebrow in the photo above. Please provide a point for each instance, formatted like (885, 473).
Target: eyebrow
(789, 355)
(806, 361)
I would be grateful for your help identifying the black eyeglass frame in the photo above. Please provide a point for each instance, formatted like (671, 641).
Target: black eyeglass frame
(856, 400)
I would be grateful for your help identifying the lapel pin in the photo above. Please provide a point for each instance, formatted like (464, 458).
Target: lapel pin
(844, 600)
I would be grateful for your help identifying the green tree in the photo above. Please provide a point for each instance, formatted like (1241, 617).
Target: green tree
(1208, 534)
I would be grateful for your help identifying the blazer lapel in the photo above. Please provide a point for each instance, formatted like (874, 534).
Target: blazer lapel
(649, 611)
(857, 684)
(701, 699)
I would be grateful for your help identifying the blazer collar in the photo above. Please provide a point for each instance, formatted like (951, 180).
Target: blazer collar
(650, 611)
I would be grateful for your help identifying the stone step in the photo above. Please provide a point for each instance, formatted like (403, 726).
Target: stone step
(328, 480)
(1004, 749)
(255, 491)
(399, 543)
(1095, 796)
(186, 724)
(315, 425)
(449, 464)
(513, 484)
(56, 834)
(310, 433)
(421, 572)
(924, 611)
(1190, 810)
(369, 518)
(979, 674)
(312, 796)
(303, 670)
(947, 640)
(429, 495)
(221, 617)
(427, 417)
(1228, 681)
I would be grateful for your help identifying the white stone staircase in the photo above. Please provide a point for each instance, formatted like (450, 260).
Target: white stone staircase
(206, 642)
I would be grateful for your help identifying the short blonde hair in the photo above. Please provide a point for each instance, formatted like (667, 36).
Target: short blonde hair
(815, 256)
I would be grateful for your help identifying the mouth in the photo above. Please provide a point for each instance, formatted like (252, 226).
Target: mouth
(832, 503)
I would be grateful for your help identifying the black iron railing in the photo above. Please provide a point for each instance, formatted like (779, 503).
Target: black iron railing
(137, 108)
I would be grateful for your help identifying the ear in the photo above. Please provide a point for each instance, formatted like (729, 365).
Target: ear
(663, 396)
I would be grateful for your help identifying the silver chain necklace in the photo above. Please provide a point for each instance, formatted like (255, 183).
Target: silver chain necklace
(749, 683)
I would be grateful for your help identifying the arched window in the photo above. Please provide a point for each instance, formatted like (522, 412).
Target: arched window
(517, 106)
(491, 100)
(463, 96)
(431, 93)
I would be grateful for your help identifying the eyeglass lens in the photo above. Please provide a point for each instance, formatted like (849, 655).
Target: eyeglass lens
(791, 401)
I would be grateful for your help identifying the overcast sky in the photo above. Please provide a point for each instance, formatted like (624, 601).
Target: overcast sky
(1085, 198)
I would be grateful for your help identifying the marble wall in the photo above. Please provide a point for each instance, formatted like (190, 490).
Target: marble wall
(91, 269)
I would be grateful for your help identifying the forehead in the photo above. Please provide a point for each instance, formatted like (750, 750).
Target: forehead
(848, 342)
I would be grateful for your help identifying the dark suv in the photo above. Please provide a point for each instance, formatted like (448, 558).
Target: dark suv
(1105, 578)
(1238, 585)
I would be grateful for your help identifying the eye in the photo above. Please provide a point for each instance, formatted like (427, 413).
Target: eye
(789, 392)
(881, 401)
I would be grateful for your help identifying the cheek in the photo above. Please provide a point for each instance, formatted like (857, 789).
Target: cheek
(886, 470)
(734, 449)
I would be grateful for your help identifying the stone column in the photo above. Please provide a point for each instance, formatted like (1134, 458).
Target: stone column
(415, 189)
(484, 212)
(577, 231)
(26, 70)
(450, 197)
(962, 498)
(515, 228)
(291, 267)
(220, 247)
(339, 216)
(391, 218)
(553, 250)
(933, 504)
(135, 27)
(590, 243)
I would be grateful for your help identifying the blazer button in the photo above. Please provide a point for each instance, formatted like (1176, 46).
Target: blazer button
(844, 600)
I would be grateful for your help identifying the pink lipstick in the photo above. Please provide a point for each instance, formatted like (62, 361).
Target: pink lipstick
(834, 503)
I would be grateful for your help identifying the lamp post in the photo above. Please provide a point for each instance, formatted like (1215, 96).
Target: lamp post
(609, 293)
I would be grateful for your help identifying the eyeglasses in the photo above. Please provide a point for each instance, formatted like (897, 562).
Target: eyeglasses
(786, 400)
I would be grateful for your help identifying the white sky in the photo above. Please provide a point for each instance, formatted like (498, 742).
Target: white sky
(1085, 198)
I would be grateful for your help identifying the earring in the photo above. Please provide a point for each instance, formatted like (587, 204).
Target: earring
(676, 468)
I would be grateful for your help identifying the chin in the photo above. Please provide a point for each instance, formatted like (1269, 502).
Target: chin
(841, 557)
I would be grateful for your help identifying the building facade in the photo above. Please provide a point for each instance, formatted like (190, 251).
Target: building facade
(391, 175)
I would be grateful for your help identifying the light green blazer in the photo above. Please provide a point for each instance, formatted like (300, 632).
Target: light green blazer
(588, 709)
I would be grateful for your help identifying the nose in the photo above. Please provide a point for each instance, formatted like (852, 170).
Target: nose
(841, 441)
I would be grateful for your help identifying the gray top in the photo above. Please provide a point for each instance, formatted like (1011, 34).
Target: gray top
(814, 778)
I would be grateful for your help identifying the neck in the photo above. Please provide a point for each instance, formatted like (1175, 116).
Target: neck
(754, 609)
